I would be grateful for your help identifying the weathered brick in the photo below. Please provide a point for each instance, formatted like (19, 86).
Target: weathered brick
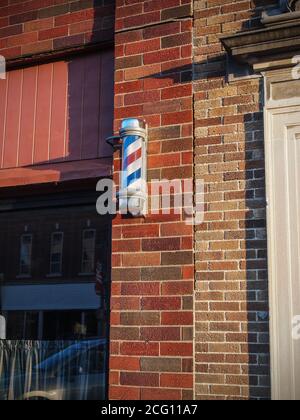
(23, 17)
(161, 56)
(124, 393)
(53, 33)
(173, 41)
(118, 333)
(177, 318)
(142, 19)
(161, 30)
(177, 117)
(158, 5)
(161, 273)
(140, 348)
(4, 22)
(38, 25)
(22, 39)
(160, 334)
(140, 231)
(126, 274)
(53, 11)
(160, 394)
(133, 245)
(127, 62)
(139, 379)
(176, 380)
(165, 133)
(177, 258)
(177, 92)
(68, 41)
(121, 362)
(123, 303)
(143, 46)
(140, 318)
(141, 259)
(161, 303)
(161, 244)
(10, 31)
(177, 288)
(160, 364)
(177, 12)
(140, 288)
(181, 349)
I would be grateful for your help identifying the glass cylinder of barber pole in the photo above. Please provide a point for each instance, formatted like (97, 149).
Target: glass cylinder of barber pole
(133, 192)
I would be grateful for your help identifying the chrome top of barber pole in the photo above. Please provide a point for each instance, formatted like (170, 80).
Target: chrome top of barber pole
(132, 154)
(133, 126)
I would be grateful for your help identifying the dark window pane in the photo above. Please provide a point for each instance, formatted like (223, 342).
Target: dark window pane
(56, 254)
(55, 258)
(70, 325)
(22, 325)
(25, 254)
(88, 251)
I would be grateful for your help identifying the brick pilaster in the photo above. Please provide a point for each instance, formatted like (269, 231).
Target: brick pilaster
(231, 301)
(153, 272)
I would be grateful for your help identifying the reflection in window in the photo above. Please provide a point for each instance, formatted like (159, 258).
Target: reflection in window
(22, 325)
(57, 240)
(88, 251)
(57, 370)
(25, 255)
(70, 325)
(52, 325)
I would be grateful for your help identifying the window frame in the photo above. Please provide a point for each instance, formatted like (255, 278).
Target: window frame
(59, 273)
(29, 273)
(82, 271)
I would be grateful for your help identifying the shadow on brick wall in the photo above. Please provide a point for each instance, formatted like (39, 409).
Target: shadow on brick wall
(251, 196)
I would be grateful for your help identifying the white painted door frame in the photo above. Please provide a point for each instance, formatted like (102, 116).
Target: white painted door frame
(282, 151)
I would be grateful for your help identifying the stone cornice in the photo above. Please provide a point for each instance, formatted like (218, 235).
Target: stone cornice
(279, 39)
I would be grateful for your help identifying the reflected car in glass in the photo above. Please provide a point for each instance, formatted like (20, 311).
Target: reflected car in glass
(66, 371)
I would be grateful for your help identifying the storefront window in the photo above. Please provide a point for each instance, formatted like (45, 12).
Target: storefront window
(53, 342)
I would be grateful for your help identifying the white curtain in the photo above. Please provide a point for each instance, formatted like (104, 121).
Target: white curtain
(52, 370)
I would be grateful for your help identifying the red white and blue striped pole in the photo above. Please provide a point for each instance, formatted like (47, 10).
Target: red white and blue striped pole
(133, 161)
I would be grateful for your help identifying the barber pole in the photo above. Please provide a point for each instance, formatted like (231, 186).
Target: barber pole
(133, 162)
(133, 195)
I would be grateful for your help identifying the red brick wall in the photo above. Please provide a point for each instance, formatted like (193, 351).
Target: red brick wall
(153, 272)
(36, 26)
(232, 343)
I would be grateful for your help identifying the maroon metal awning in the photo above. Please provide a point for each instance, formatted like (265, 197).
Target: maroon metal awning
(54, 119)
(57, 172)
